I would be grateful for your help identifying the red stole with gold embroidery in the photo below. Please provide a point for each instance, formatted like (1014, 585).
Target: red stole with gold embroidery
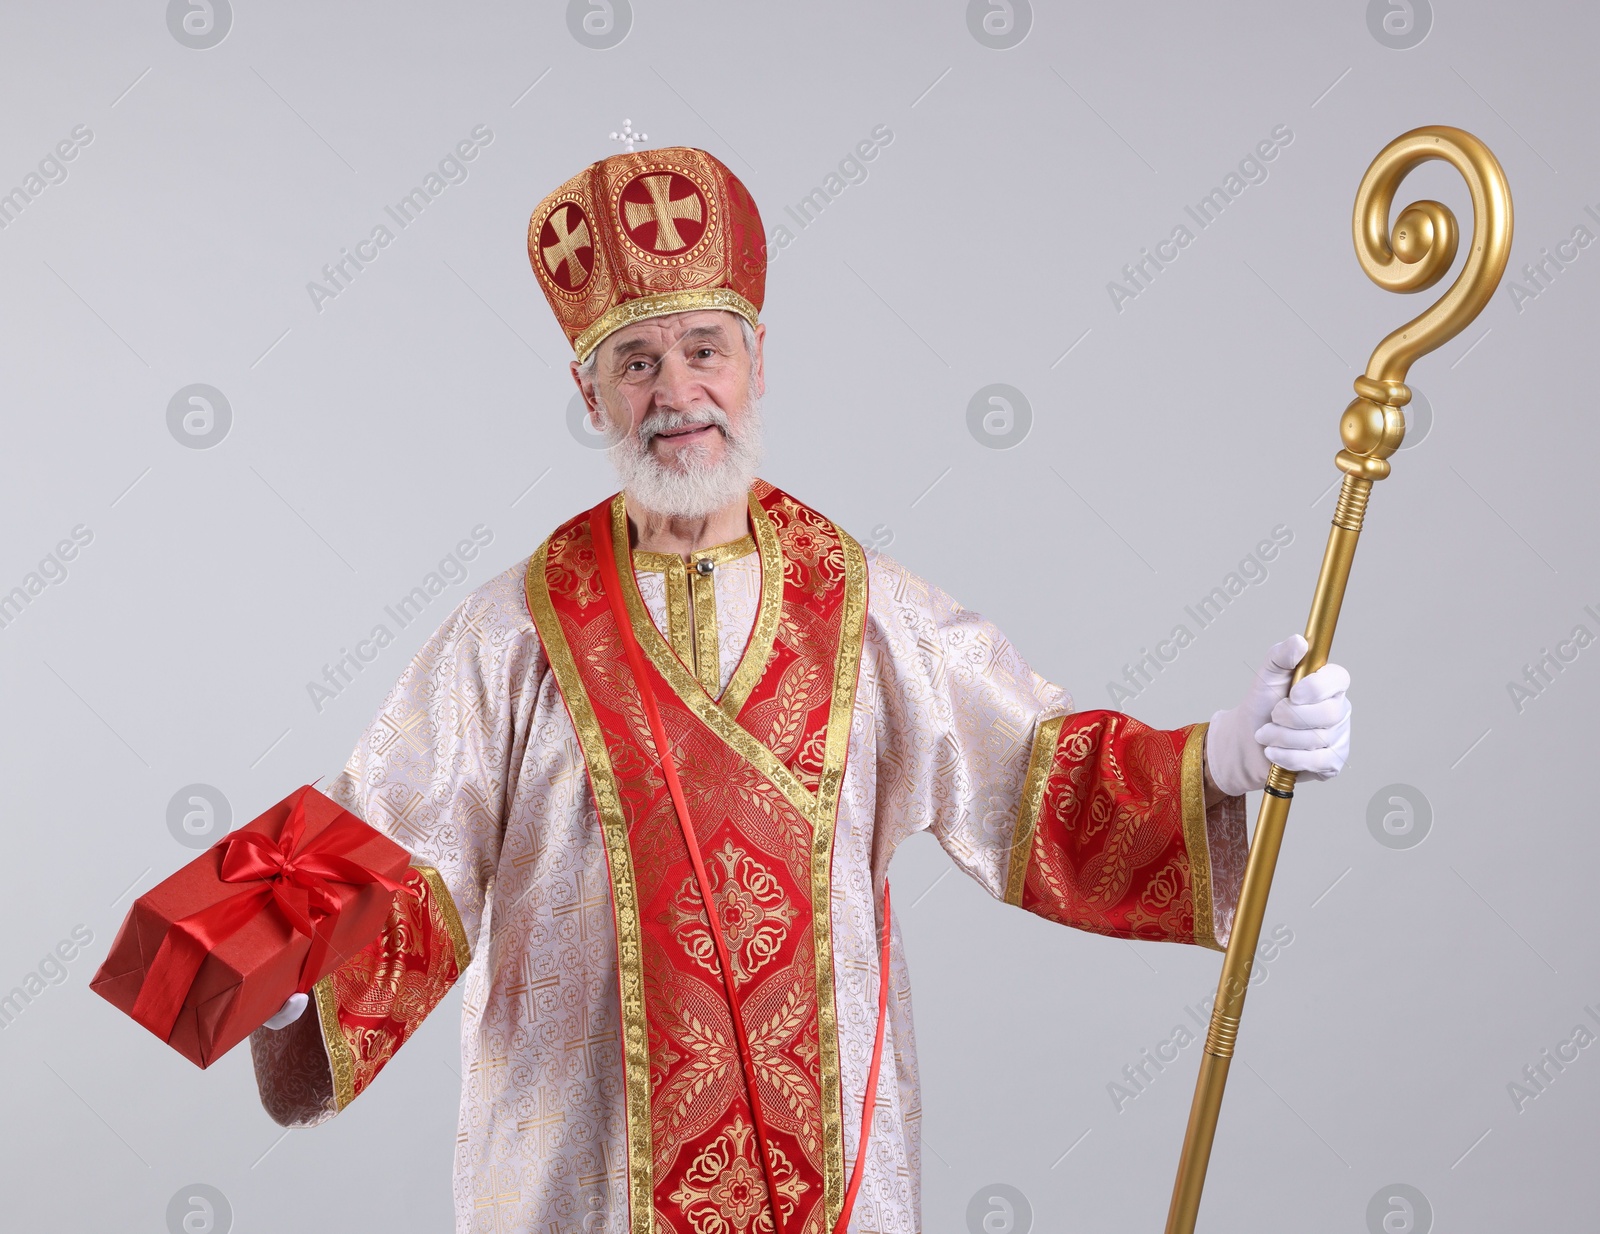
(761, 769)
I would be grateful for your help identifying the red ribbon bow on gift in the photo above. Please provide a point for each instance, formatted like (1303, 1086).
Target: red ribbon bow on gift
(294, 876)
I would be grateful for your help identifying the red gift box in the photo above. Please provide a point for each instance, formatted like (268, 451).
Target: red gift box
(207, 956)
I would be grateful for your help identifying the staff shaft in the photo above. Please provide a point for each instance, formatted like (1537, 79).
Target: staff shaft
(1412, 255)
(1234, 982)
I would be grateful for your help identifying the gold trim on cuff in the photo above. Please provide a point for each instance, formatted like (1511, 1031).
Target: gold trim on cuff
(341, 1065)
(630, 311)
(452, 919)
(1045, 738)
(1193, 794)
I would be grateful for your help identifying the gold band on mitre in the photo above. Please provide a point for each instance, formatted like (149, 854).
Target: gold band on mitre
(630, 311)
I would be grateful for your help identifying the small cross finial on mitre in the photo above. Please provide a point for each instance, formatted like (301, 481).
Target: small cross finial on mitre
(627, 137)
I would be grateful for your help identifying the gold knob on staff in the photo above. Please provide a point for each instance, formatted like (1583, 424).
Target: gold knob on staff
(1412, 257)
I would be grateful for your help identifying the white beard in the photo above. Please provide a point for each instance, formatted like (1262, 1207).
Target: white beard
(691, 487)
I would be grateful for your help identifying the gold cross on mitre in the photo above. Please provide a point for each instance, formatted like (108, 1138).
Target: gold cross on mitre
(627, 137)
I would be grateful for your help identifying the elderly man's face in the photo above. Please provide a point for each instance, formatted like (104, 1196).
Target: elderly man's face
(674, 378)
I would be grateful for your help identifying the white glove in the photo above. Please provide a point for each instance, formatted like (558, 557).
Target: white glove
(1306, 729)
(289, 1012)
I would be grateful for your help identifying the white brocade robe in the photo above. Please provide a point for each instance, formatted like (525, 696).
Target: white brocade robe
(473, 764)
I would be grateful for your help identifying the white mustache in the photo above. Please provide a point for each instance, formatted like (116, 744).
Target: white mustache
(658, 422)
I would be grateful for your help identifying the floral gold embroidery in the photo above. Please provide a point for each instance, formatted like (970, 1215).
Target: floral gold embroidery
(724, 1192)
(573, 569)
(377, 998)
(751, 905)
(1110, 849)
(813, 556)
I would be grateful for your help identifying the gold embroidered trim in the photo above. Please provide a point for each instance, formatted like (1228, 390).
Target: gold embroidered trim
(452, 919)
(718, 554)
(852, 628)
(1193, 794)
(630, 311)
(847, 667)
(656, 563)
(1045, 738)
(614, 827)
(341, 1065)
(764, 633)
(712, 714)
(722, 554)
(693, 634)
(678, 627)
(707, 653)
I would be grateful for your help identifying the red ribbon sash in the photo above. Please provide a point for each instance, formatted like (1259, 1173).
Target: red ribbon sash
(294, 876)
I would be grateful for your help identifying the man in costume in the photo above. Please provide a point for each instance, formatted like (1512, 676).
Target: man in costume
(702, 691)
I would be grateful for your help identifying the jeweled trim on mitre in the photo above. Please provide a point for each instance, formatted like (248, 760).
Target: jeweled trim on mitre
(630, 311)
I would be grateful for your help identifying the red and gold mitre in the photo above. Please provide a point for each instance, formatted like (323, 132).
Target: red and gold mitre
(644, 234)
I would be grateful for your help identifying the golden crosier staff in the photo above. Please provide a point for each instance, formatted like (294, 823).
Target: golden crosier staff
(1417, 256)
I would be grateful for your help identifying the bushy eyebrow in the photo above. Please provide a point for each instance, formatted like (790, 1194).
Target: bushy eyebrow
(713, 333)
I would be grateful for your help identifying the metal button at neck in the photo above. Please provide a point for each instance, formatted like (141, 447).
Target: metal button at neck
(704, 566)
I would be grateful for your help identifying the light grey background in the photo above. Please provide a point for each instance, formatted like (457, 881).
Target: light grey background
(1168, 438)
